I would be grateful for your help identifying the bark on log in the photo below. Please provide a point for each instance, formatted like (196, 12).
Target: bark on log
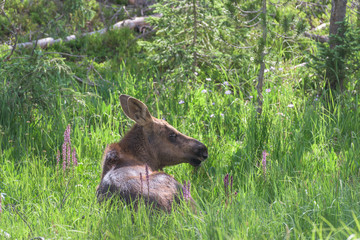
(46, 42)
(318, 38)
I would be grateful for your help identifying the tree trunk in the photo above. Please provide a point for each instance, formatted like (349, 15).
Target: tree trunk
(195, 36)
(335, 73)
(260, 84)
(358, 13)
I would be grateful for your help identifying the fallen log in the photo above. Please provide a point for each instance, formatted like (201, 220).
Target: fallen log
(137, 22)
(318, 38)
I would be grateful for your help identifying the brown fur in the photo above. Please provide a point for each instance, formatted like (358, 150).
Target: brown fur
(151, 142)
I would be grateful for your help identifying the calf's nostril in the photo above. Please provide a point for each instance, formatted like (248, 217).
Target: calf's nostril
(201, 151)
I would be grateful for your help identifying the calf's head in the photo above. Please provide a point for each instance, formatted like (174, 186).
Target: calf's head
(166, 145)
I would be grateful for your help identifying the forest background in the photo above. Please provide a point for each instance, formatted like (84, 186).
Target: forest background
(271, 87)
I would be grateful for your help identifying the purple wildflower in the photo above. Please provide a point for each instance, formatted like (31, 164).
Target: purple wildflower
(64, 155)
(68, 129)
(141, 184)
(67, 143)
(228, 192)
(204, 91)
(147, 177)
(189, 186)
(264, 162)
(226, 183)
(181, 102)
(57, 158)
(186, 190)
(227, 92)
(68, 154)
(65, 135)
(268, 90)
(68, 146)
(74, 159)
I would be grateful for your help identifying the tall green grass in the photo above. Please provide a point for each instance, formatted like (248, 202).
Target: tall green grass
(310, 189)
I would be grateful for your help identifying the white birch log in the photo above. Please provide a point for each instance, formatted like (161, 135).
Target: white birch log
(46, 42)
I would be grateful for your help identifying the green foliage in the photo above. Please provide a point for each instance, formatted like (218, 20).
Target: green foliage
(96, 56)
(80, 11)
(177, 50)
(308, 190)
(33, 19)
(32, 82)
(307, 186)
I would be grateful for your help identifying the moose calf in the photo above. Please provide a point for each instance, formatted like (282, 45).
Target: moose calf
(130, 167)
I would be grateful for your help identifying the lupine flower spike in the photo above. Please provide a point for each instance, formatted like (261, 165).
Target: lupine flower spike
(226, 186)
(64, 155)
(74, 159)
(147, 178)
(141, 184)
(228, 192)
(264, 162)
(186, 191)
(226, 183)
(68, 153)
(68, 143)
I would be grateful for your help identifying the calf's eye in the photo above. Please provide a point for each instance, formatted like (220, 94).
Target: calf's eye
(172, 136)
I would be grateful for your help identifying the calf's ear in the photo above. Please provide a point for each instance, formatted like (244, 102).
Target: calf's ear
(138, 111)
(124, 104)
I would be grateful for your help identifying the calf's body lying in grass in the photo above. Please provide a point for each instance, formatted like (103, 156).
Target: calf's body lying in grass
(130, 167)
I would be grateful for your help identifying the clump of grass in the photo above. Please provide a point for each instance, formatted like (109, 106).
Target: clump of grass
(0, 204)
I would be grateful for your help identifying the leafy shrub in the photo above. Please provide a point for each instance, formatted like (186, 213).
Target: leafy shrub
(188, 39)
(104, 52)
(31, 83)
(41, 18)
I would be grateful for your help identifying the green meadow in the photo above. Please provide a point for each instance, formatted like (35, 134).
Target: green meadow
(295, 167)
